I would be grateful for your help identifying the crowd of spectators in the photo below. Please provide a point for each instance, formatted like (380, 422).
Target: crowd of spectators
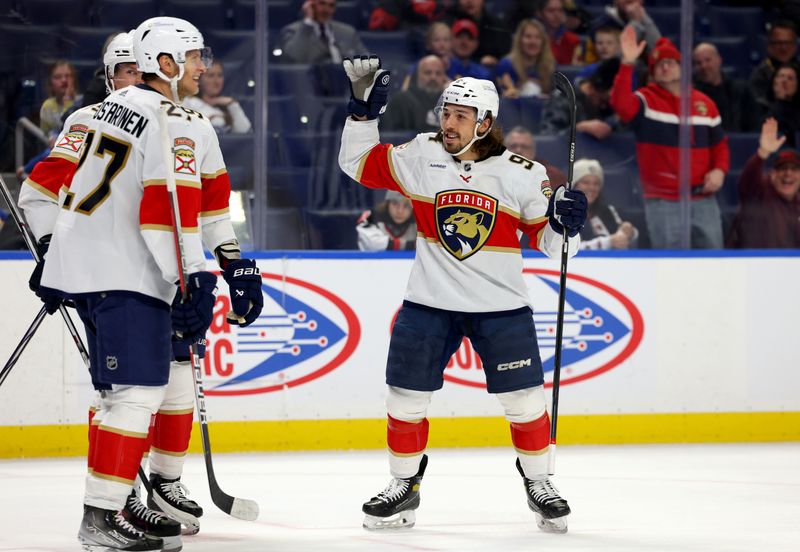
(626, 75)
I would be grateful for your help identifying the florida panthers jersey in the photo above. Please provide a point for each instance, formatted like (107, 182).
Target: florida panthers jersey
(470, 217)
(102, 194)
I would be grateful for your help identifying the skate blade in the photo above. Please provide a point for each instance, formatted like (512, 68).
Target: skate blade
(172, 544)
(401, 520)
(89, 546)
(555, 525)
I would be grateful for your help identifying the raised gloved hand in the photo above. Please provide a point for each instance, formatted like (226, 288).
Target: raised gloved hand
(51, 302)
(567, 209)
(244, 280)
(191, 318)
(369, 86)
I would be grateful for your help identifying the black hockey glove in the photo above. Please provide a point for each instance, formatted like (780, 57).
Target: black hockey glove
(244, 280)
(51, 302)
(369, 86)
(181, 348)
(191, 318)
(567, 209)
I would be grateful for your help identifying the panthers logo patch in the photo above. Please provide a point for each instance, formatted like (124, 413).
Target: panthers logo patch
(464, 221)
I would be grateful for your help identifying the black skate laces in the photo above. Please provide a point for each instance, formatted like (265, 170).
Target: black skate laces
(175, 490)
(395, 489)
(121, 522)
(543, 491)
(136, 506)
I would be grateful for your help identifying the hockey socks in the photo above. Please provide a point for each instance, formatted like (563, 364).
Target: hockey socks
(531, 440)
(170, 442)
(407, 442)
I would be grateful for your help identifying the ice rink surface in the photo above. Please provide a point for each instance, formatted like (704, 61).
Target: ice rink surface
(709, 498)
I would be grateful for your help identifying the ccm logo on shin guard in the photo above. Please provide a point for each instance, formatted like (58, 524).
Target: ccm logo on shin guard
(246, 271)
(513, 365)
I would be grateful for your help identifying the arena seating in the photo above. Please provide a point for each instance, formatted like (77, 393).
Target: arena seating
(306, 104)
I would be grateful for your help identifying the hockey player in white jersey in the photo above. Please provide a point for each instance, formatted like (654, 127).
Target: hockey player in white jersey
(472, 201)
(112, 253)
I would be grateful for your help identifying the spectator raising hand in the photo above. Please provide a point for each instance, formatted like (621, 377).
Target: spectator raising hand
(769, 142)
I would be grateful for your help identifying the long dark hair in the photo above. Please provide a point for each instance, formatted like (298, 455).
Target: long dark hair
(490, 144)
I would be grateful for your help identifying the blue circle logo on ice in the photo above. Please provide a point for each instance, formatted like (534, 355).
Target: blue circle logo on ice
(303, 333)
(602, 328)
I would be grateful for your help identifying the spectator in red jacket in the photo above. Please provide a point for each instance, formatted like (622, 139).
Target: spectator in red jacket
(653, 113)
(769, 202)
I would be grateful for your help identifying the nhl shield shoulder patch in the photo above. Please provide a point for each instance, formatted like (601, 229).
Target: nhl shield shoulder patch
(464, 221)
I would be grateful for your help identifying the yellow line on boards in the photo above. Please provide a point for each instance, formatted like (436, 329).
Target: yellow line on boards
(298, 435)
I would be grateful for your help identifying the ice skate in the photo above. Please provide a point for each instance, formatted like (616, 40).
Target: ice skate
(107, 531)
(169, 496)
(394, 506)
(153, 523)
(550, 509)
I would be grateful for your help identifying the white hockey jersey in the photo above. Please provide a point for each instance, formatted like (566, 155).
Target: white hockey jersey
(102, 194)
(470, 217)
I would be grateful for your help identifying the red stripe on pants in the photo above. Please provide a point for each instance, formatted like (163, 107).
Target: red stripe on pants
(531, 436)
(407, 437)
(92, 441)
(118, 455)
(172, 432)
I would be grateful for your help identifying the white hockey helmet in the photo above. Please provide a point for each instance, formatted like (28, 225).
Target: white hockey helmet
(167, 35)
(478, 93)
(119, 50)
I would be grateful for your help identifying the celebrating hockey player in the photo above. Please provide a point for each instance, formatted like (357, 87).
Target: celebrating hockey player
(102, 195)
(472, 200)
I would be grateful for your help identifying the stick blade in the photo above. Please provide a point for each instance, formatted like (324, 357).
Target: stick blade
(244, 509)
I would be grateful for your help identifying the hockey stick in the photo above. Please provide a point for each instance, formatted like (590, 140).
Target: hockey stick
(562, 83)
(12, 360)
(30, 241)
(241, 508)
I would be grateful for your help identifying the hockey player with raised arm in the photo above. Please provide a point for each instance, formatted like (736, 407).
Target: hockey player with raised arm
(472, 200)
(112, 252)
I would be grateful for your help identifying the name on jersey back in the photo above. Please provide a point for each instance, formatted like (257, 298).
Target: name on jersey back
(121, 117)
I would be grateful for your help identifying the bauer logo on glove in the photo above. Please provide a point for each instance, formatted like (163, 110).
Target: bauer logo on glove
(369, 86)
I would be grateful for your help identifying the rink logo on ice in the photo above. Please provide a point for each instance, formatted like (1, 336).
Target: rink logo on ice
(602, 328)
(303, 333)
(464, 221)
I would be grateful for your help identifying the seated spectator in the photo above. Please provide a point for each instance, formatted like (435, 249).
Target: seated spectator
(412, 109)
(317, 38)
(520, 140)
(465, 43)
(62, 86)
(769, 202)
(528, 69)
(439, 42)
(494, 34)
(390, 226)
(735, 103)
(605, 228)
(564, 43)
(783, 102)
(622, 13)
(594, 115)
(390, 15)
(653, 113)
(781, 50)
(604, 45)
(224, 112)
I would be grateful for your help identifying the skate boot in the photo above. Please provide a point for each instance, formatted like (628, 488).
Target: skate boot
(394, 506)
(551, 510)
(106, 531)
(169, 496)
(153, 523)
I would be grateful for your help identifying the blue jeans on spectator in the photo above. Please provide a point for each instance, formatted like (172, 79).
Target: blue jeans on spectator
(664, 223)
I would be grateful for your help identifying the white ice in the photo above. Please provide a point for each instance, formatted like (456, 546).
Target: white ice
(624, 499)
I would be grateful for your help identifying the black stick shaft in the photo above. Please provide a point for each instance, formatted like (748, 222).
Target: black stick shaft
(26, 338)
(563, 84)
